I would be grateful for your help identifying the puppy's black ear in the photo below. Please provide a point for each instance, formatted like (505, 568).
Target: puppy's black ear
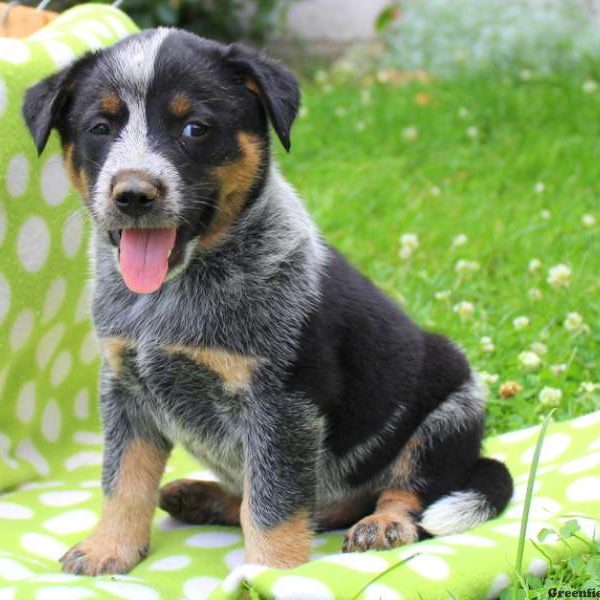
(275, 84)
(43, 107)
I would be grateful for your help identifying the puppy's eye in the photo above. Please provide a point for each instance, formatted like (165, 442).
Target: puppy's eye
(194, 130)
(100, 129)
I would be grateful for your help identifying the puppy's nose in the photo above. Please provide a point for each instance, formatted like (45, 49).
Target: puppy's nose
(135, 192)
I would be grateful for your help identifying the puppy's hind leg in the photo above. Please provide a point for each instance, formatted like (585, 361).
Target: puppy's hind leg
(392, 524)
(200, 502)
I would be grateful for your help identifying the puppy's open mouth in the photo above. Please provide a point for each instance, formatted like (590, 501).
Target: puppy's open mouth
(147, 255)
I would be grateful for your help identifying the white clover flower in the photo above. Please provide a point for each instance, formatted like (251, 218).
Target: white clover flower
(535, 264)
(435, 190)
(405, 252)
(462, 266)
(587, 387)
(526, 75)
(535, 294)
(443, 295)
(341, 111)
(463, 112)
(365, 97)
(360, 126)
(539, 187)
(410, 240)
(488, 378)
(545, 214)
(321, 76)
(472, 132)
(464, 309)
(486, 344)
(303, 112)
(459, 240)
(560, 276)
(410, 134)
(550, 396)
(588, 220)
(574, 322)
(559, 369)
(539, 348)
(529, 360)
(589, 86)
(520, 323)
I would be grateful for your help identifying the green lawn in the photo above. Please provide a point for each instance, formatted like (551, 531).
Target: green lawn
(513, 165)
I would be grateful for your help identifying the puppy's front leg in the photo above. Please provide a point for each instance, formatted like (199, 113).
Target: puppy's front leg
(134, 461)
(279, 491)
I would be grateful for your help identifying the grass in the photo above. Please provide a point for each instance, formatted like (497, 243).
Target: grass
(511, 165)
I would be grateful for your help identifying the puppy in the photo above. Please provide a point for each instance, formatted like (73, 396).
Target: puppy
(229, 326)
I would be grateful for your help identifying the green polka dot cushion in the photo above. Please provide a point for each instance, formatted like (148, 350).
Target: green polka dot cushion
(50, 442)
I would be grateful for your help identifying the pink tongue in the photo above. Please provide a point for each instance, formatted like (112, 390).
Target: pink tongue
(144, 257)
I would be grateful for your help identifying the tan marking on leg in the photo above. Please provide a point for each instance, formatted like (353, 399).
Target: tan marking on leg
(282, 547)
(235, 370)
(113, 349)
(391, 525)
(180, 105)
(200, 502)
(111, 104)
(235, 181)
(121, 538)
(403, 470)
(78, 178)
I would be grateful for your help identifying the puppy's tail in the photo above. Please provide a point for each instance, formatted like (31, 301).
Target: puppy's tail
(487, 493)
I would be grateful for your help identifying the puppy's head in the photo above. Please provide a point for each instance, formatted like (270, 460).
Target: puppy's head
(165, 136)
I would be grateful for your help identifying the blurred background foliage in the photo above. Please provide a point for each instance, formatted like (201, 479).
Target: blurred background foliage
(223, 20)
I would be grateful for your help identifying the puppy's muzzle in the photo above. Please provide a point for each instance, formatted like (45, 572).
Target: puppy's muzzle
(136, 193)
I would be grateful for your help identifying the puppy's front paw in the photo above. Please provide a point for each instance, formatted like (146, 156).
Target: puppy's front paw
(102, 557)
(380, 532)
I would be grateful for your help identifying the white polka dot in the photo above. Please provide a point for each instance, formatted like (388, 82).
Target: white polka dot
(589, 527)
(90, 39)
(3, 96)
(467, 539)
(4, 452)
(117, 26)
(10, 510)
(90, 484)
(62, 592)
(216, 539)
(84, 304)
(54, 299)
(82, 404)
(61, 368)
(29, 453)
(586, 421)
(538, 567)
(7, 593)
(514, 529)
(595, 445)
(513, 437)
(379, 591)
(365, 563)
(586, 463)
(51, 421)
(98, 27)
(49, 344)
(2, 223)
(21, 329)
(524, 477)
(57, 578)
(204, 475)
(436, 548)
(88, 437)
(72, 234)
(72, 521)
(11, 570)
(89, 348)
(4, 297)
(64, 498)
(128, 591)
(171, 524)
(584, 490)
(235, 558)
(14, 51)
(171, 563)
(541, 508)
(33, 244)
(26, 402)
(60, 53)
(234, 580)
(430, 567)
(200, 587)
(294, 587)
(43, 545)
(83, 459)
(40, 485)
(17, 175)
(53, 181)
(500, 583)
(555, 444)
